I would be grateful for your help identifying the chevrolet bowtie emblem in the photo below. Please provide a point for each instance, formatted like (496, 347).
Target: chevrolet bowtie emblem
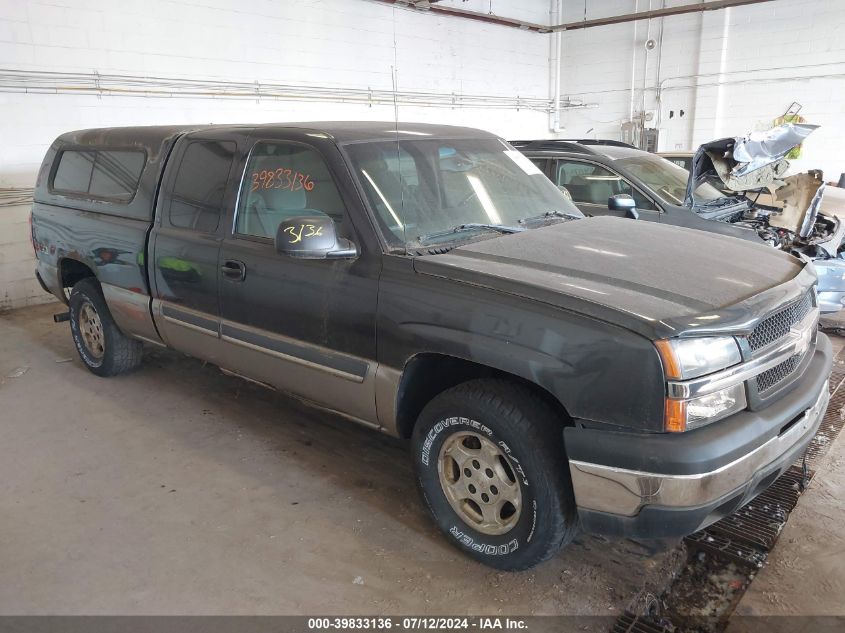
(803, 338)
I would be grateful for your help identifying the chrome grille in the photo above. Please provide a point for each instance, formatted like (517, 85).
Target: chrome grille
(771, 377)
(777, 325)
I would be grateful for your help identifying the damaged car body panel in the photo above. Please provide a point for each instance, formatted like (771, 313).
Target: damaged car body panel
(748, 162)
(788, 212)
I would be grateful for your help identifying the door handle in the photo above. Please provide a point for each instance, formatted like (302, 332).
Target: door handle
(234, 270)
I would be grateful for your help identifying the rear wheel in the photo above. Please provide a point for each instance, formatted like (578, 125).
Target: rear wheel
(103, 348)
(491, 467)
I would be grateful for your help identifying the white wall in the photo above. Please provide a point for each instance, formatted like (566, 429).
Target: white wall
(331, 43)
(712, 66)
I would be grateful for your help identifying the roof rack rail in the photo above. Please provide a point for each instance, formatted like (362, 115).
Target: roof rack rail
(553, 144)
(604, 141)
(569, 144)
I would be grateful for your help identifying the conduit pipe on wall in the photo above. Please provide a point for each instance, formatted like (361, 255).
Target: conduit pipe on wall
(633, 66)
(556, 65)
(15, 196)
(40, 82)
(692, 80)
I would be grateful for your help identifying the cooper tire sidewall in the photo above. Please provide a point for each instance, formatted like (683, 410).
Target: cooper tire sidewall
(78, 300)
(426, 457)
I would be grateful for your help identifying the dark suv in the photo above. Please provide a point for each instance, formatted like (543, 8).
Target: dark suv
(591, 172)
(596, 173)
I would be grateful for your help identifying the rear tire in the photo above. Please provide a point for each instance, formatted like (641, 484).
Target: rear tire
(104, 349)
(492, 469)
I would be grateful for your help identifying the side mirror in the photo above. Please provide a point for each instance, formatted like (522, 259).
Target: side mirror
(312, 237)
(624, 202)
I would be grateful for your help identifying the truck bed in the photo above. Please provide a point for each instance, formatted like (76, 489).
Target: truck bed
(112, 247)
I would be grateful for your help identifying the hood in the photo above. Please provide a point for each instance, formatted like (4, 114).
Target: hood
(753, 161)
(655, 279)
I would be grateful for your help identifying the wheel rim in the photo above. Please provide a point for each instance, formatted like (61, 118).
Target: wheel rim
(479, 483)
(91, 329)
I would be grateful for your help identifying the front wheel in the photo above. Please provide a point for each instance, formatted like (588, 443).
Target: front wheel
(491, 467)
(104, 349)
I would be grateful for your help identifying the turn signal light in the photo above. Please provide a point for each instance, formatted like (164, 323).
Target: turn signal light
(671, 365)
(675, 416)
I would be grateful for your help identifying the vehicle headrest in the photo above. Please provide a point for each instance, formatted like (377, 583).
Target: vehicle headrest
(285, 198)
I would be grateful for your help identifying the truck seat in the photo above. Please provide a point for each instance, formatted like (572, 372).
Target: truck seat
(266, 209)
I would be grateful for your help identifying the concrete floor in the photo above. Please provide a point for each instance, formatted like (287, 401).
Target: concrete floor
(805, 573)
(178, 490)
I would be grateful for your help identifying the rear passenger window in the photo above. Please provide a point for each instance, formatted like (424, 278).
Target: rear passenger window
(112, 174)
(284, 180)
(196, 201)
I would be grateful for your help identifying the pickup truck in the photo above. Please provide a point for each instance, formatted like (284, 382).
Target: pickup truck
(550, 371)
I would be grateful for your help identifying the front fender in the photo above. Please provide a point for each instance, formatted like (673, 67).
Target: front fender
(598, 371)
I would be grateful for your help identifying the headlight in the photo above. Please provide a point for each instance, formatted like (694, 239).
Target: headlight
(685, 415)
(685, 358)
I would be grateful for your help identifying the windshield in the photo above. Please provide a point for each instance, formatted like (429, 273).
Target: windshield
(423, 189)
(666, 179)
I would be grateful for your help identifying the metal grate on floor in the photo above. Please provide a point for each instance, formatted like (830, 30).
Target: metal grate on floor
(738, 552)
(786, 489)
(630, 623)
(757, 524)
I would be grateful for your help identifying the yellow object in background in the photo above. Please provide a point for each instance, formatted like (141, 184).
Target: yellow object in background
(795, 152)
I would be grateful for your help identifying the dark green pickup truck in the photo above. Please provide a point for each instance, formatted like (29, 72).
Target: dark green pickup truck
(550, 371)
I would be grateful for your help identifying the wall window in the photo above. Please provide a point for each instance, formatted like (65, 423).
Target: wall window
(200, 184)
(99, 173)
(284, 180)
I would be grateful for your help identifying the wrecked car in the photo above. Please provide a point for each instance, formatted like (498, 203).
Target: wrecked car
(794, 213)
(754, 199)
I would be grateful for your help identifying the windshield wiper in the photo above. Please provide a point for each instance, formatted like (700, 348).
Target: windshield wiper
(501, 228)
(551, 214)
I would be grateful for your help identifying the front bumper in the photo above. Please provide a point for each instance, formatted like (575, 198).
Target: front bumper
(672, 485)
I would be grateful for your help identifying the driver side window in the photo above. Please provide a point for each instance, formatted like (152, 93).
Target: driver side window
(589, 183)
(284, 180)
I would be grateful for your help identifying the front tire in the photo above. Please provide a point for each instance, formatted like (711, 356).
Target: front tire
(491, 467)
(104, 349)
